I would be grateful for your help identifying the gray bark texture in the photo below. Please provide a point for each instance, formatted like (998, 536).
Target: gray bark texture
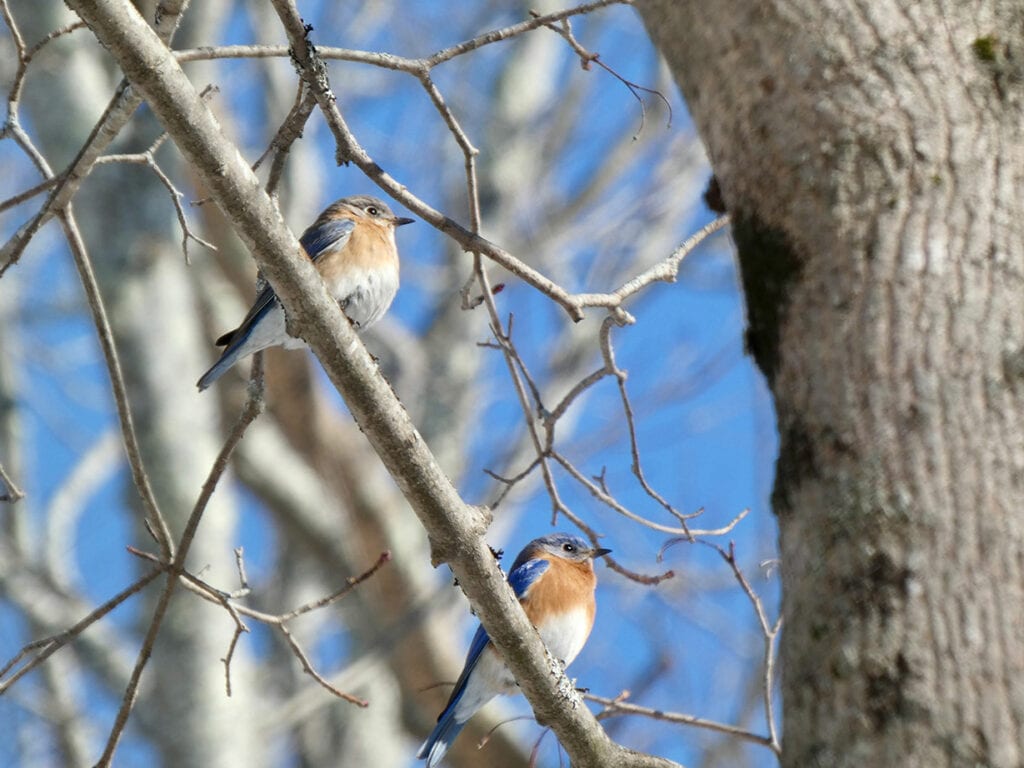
(870, 156)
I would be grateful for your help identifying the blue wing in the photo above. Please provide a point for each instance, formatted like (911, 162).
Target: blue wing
(523, 576)
(316, 240)
(480, 641)
(320, 238)
(326, 236)
(447, 728)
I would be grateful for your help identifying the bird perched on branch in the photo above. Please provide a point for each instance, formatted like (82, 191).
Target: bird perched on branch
(352, 245)
(554, 579)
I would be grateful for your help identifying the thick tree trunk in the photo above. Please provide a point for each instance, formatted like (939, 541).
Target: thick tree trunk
(870, 156)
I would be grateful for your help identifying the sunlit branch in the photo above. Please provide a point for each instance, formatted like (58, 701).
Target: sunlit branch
(619, 706)
(9, 490)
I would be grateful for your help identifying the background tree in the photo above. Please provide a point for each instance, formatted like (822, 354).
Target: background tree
(870, 157)
(574, 180)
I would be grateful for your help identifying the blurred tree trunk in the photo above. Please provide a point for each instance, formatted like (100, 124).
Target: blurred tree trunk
(155, 322)
(870, 156)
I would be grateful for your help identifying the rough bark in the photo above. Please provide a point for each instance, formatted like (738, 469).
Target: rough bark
(870, 155)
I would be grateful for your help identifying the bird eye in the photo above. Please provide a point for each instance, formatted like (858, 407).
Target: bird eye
(373, 210)
(569, 547)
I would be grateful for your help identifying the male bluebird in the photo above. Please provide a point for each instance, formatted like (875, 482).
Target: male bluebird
(352, 244)
(554, 579)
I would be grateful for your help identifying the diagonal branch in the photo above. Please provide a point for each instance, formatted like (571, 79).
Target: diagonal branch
(9, 490)
(47, 646)
(155, 520)
(456, 529)
(116, 116)
(253, 408)
(619, 706)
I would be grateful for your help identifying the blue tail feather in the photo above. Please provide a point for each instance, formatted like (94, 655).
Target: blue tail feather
(236, 348)
(437, 743)
(228, 358)
(219, 369)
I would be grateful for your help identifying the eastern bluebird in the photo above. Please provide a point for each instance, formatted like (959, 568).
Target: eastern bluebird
(554, 579)
(352, 244)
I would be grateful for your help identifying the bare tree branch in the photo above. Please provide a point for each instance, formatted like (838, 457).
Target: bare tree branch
(455, 529)
(47, 646)
(115, 117)
(9, 490)
(253, 407)
(148, 159)
(619, 706)
(155, 520)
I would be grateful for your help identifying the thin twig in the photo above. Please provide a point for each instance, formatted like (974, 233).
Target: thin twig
(619, 706)
(769, 632)
(226, 660)
(253, 407)
(243, 580)
(308, 668)
(47, 646)
(155, 520)
(509, 482)
(610, 501)
(564, 30)
(351, 583)
(577, 389)
(287, 134)
(608, 352)
(147, 159)
(515, 364)
(226, 600)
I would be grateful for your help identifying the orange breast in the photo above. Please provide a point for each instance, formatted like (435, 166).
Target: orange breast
(565, 586)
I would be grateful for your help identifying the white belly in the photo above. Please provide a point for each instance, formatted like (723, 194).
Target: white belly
(365, 295)
(565, 634)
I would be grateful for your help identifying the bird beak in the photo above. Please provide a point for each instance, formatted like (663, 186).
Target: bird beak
(400, 220)
(599, 552)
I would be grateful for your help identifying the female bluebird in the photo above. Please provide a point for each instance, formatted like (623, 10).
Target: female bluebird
(554, 579)
(352, 244)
